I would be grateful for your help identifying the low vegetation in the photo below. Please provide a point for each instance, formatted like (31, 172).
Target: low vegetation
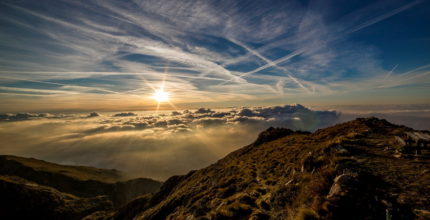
(80, 181)
(289, 174)
(354, 170)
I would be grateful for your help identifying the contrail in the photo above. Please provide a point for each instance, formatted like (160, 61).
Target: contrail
(400, 82)
(391, 71)
(404, 74)
(35, 90)
(269, 62)
(382, 17)
(414, 70)
(354, 29)
(61, 84)
(295, 53)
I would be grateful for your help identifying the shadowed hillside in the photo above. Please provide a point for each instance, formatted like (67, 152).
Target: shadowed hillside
(80, 181)
(348, 171)
(22, 199)
(354, 170)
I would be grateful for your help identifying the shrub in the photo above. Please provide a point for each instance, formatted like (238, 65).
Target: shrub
(283, 195)
(308, 215)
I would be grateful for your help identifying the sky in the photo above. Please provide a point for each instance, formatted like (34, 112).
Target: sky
(102, 55)
(159, 88)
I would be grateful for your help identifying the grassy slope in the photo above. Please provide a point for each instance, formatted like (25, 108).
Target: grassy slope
(81, 181)
(81, 173)
(22, 199)
(290, 177)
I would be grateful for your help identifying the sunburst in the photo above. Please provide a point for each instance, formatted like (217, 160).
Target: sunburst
(161, 95)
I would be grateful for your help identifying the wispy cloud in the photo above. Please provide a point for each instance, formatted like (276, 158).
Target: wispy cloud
(391, 71)
(269, 51)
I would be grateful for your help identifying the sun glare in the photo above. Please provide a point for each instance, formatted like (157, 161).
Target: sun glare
(160, 96)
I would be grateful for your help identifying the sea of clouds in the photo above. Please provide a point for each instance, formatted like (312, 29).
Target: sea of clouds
(151, 145)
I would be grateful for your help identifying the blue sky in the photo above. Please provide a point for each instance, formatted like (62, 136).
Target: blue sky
(111, 55)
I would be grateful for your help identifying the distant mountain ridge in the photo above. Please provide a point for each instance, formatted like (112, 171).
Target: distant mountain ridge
(79, 181)
(353, 170)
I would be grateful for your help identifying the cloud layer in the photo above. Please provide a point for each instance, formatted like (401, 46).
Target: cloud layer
(156, 146)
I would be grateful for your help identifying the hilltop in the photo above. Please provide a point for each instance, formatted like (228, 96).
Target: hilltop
(71, 190)
(353, 170)
(348, 171)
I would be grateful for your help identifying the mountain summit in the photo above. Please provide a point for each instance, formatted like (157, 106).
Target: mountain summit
(353, 170)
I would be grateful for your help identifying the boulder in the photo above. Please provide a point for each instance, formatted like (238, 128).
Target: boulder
(344, 152)
(350, 172)
(335, 189)
(341, 150)
(342, 179)
(340, 167)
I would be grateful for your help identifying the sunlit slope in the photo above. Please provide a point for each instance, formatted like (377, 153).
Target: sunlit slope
(348, 171)
(81, 181)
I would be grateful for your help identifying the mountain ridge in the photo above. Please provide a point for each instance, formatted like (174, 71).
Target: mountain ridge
(81, 181)
(352, 170)
(328, 174)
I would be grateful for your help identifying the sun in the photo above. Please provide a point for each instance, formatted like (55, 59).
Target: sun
(161, 96)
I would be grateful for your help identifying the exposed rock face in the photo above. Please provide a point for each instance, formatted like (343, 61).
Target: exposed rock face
(21, 199)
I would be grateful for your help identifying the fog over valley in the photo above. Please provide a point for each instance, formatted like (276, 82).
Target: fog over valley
(159, 145)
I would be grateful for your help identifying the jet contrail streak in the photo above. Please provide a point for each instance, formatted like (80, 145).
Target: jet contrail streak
(391, 71)
(269, 62)
(295, 53)
(354, 29)
(60, 84)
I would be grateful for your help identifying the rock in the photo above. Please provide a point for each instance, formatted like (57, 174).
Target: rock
(340, 167)
(338, 147)
(350, 173)
(336, 188)
(342, 179)
(343, 152)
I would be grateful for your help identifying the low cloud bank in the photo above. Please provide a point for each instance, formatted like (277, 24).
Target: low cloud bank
(292, 116)
(22, 116)
(94, 114)
(125, 114)
(155, 146)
